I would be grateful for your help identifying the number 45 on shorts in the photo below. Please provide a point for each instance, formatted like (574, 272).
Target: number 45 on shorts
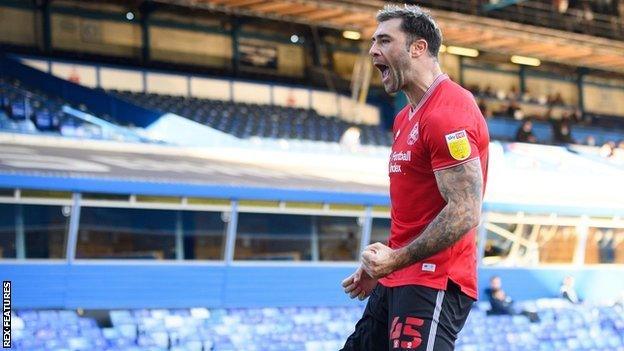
(404, 335)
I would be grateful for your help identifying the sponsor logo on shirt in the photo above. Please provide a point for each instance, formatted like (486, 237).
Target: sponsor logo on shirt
(401, 156)
(413, 135)
(458, 145)
(394, 168)
(428, 267)
(398, 156)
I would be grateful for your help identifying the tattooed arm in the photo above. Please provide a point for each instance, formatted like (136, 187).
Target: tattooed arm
(462, 188)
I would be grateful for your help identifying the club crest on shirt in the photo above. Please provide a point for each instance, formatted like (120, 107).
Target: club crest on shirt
(413, 135)
(458, 145)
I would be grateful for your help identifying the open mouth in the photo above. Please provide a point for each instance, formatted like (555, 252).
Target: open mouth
(384, 69)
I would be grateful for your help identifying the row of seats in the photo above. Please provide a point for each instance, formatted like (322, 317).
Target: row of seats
(277, 122)
(561, 326)
(27, 109)
(252, 120)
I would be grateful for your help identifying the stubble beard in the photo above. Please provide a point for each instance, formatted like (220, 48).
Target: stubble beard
(398, 77)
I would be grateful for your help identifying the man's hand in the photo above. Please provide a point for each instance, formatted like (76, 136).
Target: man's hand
(378, 260)
(359, 284)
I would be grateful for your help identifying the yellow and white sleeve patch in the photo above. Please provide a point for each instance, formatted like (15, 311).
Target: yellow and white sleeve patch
(458, 145)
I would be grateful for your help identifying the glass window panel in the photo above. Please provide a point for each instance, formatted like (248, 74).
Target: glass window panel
(380, 230)
(339, 238)
(204, 235)
(605, 245)
(557, 244)
(121, 233)
(7, 231)
(44, 230)
(497, 247)
(618, 243)
(273, 237)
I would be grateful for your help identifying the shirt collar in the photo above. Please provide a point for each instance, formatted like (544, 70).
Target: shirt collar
(439, 79)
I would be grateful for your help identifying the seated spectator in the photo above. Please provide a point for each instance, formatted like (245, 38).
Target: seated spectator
(499, 301)
(567, 290)
(606, 248)
(526, 96)
(561, 132)
(525, 133)
(577, 117)
(588, 14)
(590, 140)
(488, 91)
(513, 110)
(513, 94)
(501, 304)
(561, 5)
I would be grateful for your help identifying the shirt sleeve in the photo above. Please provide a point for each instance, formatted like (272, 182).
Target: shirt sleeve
(451, 138)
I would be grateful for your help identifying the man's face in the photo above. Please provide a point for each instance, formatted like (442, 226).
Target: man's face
(390, 54)
(495, 283)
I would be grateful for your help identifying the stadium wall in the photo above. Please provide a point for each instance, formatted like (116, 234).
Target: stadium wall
(95, 35)
(17, 24)
(190, 46)
(603, 98)
(118, 284)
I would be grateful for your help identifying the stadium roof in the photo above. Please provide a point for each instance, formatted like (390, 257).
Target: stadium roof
(486, 34)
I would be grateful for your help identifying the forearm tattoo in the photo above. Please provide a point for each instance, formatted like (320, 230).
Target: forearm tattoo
(462, 188)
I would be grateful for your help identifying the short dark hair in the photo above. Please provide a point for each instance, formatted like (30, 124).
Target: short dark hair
(416, 24)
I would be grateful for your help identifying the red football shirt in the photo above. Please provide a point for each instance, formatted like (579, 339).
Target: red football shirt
(446, 129)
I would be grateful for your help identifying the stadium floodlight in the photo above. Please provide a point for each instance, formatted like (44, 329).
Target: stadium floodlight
(460, 51)
(524, 60)
(294, 38)
(351, 34)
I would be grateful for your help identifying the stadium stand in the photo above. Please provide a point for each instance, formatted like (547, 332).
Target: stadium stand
(561, 326)
(249, 120)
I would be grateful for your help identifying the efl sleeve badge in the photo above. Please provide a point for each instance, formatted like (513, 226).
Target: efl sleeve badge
(458, 145)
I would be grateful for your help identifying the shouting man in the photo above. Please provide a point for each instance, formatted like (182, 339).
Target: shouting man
(423, 283)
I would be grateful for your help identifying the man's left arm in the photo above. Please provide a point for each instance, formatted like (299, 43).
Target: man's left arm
(461, 187)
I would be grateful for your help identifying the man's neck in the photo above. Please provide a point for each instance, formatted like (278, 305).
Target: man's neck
(420, 83)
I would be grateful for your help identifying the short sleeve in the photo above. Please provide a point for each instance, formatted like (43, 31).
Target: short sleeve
(451, 138)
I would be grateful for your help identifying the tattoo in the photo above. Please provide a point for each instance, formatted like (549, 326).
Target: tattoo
(462, 189)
